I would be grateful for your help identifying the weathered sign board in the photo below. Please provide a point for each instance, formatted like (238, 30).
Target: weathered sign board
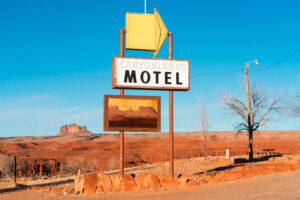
(150, 73)
(131, 113)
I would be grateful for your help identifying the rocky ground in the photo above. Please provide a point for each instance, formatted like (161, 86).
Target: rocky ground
(282, 185)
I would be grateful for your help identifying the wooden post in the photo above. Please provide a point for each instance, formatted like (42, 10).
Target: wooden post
(171, 131)
(15, 170)
(122, 93)
(250, 131)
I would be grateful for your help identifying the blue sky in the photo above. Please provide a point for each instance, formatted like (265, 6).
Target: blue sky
(82, 37)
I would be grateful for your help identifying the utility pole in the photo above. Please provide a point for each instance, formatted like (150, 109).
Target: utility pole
(250, 131)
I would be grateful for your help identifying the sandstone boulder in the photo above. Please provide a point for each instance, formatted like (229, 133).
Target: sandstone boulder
(167, 181)
(249, 171)
(182, 178)
(219, 177)
(116, 182)
(295, 166)
(153, 181)
(141, 182)
(128, 183)
(191, 183)
(78, 183)
(77, 178)
(99, 190)
(264, 169)
(78, 189)
(90, 183)
(232, 175)
(104, 181)
(282, 168)
(205, 179)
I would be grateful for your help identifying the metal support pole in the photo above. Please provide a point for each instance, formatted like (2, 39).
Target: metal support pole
(171, 131)
(122, 31)
(122, 146)
(122, 93)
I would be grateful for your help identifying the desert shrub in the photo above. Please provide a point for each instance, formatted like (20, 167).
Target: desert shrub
(112, 164)
(72, 164)
(92, 165)
(6, 168)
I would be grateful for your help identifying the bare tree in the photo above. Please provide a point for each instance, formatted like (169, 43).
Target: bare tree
(296, 106)
(261, 106)
(203, 124)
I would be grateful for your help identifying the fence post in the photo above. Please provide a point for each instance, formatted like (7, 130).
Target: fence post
(15, 170)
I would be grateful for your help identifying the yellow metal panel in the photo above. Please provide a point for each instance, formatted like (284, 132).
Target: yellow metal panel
(145, 31)
(141, 31)
(163, 31)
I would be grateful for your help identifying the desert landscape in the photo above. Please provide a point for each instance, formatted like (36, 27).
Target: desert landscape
(149, 100)
(53, 161)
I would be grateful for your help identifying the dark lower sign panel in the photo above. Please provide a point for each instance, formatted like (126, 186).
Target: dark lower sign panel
(131, 113)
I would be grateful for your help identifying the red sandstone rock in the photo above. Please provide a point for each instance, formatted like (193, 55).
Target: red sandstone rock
(295, 166)
(249, 171)
(99, 190)
(128, 183)
(90, 183)
(219, 177)
(264, 169)
(232, 175)
(191, 183)
(282, 168)
(77, 187)
(205, 179)
(182, 180)
(238, 168)
(153, 181)
(116, 182)
(104, 181)
(167, 182)
(141, 182)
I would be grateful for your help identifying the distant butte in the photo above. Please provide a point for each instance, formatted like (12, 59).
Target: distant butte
(74, 130)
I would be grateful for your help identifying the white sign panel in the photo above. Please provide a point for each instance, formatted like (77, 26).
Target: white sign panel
(150, 73)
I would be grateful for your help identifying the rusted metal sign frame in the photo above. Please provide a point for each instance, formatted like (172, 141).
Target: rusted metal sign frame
(116, 86)
(171, 116)
(106, 126)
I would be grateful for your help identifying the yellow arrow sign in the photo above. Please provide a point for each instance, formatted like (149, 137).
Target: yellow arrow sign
(145, 31)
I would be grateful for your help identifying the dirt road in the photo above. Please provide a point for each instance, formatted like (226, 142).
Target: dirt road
(285, 185)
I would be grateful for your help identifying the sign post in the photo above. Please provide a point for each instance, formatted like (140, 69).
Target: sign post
(171, 115)
(122, 161)
(148, 32)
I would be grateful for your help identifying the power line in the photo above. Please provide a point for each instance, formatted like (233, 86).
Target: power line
(217, 73)
(279, 62)
(105, 78)
(53, 75)
(242, 69)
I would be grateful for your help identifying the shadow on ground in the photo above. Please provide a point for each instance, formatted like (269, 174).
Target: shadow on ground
(23, 187)
(237, 162)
